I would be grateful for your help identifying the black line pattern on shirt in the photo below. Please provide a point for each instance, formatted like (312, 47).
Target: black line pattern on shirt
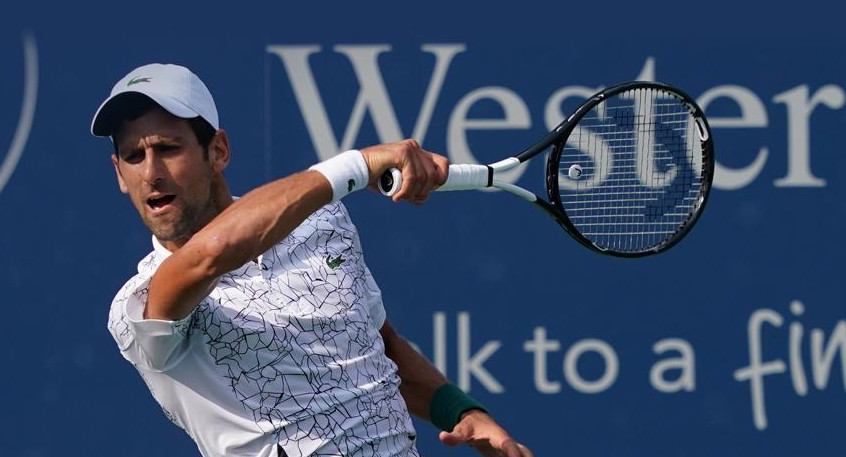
(302, 357)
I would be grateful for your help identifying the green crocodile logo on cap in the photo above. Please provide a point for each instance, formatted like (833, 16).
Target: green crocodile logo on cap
(137, 80)
(350, 185)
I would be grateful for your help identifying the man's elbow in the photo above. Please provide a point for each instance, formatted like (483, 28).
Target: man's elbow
(215, 255)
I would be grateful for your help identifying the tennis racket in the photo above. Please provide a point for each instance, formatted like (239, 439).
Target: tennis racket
(628, 174)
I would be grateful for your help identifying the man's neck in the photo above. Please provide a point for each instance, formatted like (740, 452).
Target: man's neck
(221, 199)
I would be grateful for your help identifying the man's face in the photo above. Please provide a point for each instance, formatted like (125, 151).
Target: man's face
(161, 166)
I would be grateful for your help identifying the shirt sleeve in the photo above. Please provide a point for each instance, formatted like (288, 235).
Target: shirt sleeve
(153, 344)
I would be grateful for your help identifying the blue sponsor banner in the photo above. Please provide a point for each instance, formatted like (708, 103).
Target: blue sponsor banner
(733, 343)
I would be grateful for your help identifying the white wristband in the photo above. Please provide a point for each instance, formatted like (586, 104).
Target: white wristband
(346, 172)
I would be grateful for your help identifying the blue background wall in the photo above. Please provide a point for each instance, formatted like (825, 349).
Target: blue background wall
(769, 248)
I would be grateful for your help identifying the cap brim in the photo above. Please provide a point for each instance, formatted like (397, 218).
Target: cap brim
(112, 111)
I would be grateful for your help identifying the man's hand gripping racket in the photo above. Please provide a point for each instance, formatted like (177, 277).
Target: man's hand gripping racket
(628, 174)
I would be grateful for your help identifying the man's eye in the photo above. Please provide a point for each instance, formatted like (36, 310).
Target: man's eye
(134, 157)
(167, 148)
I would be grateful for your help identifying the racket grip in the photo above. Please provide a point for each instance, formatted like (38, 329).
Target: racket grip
(459, 177)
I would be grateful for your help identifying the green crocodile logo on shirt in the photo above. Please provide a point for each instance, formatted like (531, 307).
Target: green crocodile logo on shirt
(350, 185)
(336, 262)
(137, 80)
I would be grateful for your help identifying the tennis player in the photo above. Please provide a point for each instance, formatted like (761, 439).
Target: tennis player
(255, 321)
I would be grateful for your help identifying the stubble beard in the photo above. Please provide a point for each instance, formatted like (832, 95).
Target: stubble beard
(179, 231)
(190, 221)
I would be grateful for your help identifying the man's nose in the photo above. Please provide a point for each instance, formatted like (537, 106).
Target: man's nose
(153, 166)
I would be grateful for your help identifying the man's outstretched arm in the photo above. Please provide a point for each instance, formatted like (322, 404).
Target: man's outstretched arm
(420, 383)
(265, 216)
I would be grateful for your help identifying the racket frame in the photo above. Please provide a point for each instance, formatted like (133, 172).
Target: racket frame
(557, 138)
(563, 131)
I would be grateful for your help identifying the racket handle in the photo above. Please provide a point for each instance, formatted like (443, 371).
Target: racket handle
(459, 177)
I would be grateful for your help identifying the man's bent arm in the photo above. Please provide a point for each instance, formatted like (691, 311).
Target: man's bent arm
(419, 382)
(420, 379)
(265, 216)
(244, 230)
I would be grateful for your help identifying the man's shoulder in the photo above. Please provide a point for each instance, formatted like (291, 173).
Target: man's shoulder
(118, 323)
(135, 285)
(332, 212)
(326, 235)
(131, 286)
(331, 217)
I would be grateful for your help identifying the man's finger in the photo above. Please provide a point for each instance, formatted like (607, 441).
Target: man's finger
(432, 173)
(510, 449)
(421, 198)
(451, 438)
(425, 170)
(409, 181)
(441, 169)
(524, 451)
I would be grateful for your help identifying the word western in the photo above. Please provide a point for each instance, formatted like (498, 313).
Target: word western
(374, 99)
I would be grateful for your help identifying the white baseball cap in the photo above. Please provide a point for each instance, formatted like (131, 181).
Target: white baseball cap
(173, 87)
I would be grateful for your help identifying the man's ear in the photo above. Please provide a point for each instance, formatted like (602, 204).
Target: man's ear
(219, 152)
(121, 184)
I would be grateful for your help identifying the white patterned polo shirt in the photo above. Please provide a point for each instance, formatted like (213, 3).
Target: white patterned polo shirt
(284, 351)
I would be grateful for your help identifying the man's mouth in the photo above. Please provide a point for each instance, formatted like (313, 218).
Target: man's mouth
(160, 202)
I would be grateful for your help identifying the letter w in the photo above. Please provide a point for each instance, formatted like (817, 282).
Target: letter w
(372, 96)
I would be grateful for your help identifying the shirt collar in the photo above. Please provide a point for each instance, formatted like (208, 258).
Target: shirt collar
(161, 251)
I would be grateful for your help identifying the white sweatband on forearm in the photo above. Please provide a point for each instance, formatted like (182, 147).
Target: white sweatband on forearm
(346, 172)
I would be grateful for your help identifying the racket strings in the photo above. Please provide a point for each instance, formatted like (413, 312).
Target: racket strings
(640, 175)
